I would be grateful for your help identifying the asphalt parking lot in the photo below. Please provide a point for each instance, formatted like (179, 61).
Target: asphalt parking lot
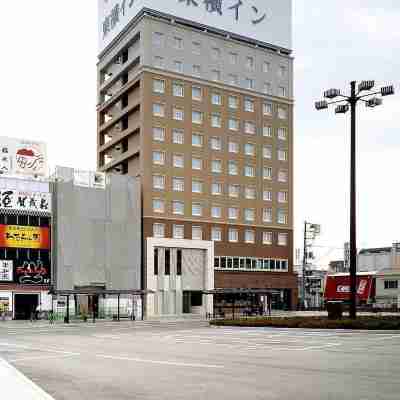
(190, 360)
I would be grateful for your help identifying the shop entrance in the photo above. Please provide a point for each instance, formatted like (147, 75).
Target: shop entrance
(24, 305)
(192, 302)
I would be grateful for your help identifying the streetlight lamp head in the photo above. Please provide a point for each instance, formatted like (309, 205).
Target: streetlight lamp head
(366, 85)
(374, 102)
(321, 105)
(332, 93)
(387, 90)
(342, 109)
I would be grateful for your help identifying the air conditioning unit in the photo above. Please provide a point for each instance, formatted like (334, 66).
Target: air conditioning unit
(118, 127)
(118, 60)
(118, 169)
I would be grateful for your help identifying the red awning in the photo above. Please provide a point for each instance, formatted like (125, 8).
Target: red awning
(338, 287)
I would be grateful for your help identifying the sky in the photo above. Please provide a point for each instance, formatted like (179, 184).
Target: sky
(48, 81)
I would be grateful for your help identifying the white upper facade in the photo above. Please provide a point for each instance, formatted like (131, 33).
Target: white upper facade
(265, 21)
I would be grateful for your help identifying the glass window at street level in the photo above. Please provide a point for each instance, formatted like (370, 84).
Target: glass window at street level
(158, 157)
(249, 236)
(158, 206)
(282, 239)
(178, 232)
(178, 136)
(158, 133)
(216, 234)
(178, 89)
(234, 191)
(178, 160)
(197, 233)
(197, 186)
(178, 184)
(197, 140)
(167, 261)
(159, 230)
(197, 209)
(267, 238)
(216, 143)
(233, 235)
(178, 207)
(158, 86)
(179, 262)
(158, 182)
(216, 166)
(197, 93)
(233, 102)
(197, 163)
(155, 261)
(233, 213)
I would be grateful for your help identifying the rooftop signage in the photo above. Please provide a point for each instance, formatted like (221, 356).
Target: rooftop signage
(266, 21)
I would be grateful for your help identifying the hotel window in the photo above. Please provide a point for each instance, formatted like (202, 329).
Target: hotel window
(216, 143)
(282, 91)
(178, 160)
(267, 237)
(158, 86)
(216, 99)
(178, 43)
(233, 168)
(391, 284)
(249, 83)
(282, 133)
(233, 79)
(249, 214)
(158, 157)
(178, 136)
(197, 209)
(158, 134)
(197, 93)
(250, 63)
(249, 171)
(249, 236)
(158, 182)
(216, 212)
(282, 113)
(197, 140)
(282, 176)
(267, 195)
(267, 108)
(250, 192)
(197, 186)
(282, 239)
(197, 233)
(159, 230)
(233, 235)
(177, 114)
(267, 151)
(267, 131)
(197, 163)
(158, 206)
(233, 58)
(179, 232)
(216, 166)
(248, 105)
(281, 217)
(159, 62)
(233, 147)
(178, 207)
(282, 155)
(158, 110)
(234, 191)
(178, 66)
(216, 75)
(233, 124)
(267, 214)
(216, 234)
(158, 39)
(233, 213)
(282, 197)
(249, 149)
(197, 117)
(267, 172)
(249, 127)
(233, 102)
(196, 48)
(267, 88)
(282, 71)
(215, 53)
(266, 66)
(216, 189)
(216, 120)
(196, 70)
(178, 184)
(178, 90)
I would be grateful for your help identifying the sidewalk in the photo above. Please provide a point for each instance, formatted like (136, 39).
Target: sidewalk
(16, 386)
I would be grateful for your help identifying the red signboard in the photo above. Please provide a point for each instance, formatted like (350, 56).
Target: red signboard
(338, 287)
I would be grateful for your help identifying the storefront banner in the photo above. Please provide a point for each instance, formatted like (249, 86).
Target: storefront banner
(338, 287)
(25, 201)
(6, 270)
(24, 237)
(33, 272)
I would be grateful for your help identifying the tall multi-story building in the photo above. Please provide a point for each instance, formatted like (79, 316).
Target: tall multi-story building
(199, 105)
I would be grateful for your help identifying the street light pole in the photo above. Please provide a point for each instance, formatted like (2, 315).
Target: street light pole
(350, 102)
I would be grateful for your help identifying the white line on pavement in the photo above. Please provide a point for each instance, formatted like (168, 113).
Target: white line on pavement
(18, 346)
(22, 359)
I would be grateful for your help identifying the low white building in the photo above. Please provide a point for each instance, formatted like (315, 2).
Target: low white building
(388, 289)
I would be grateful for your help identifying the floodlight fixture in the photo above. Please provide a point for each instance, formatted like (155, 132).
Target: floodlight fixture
(342, 109)
(332, 93)
(387, 90)
(321, 105)
(366, 85)
(374, 102)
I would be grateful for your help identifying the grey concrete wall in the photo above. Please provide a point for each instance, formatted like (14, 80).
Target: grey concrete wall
(98, 238)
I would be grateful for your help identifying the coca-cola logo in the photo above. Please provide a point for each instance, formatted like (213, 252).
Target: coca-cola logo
(346, 288)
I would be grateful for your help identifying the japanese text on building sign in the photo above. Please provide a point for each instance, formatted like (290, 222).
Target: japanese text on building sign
(6, 270)
(25, 201)
(24, 237)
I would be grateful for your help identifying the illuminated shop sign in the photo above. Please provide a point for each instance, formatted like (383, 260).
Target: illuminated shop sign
(25, 201)
(24, 237)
